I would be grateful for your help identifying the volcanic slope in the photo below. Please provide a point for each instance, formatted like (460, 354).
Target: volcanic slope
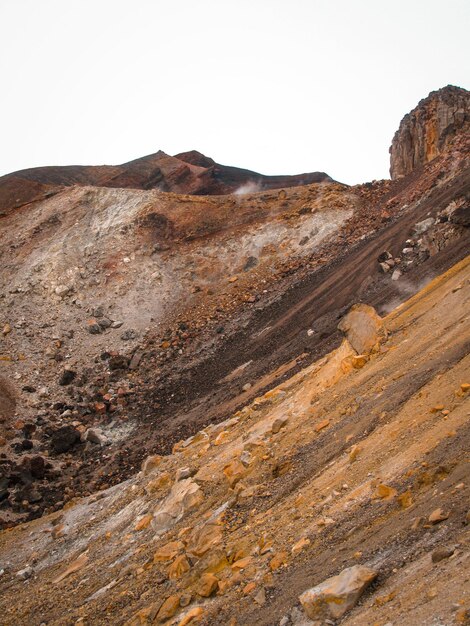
(132, 318)
(358, 459)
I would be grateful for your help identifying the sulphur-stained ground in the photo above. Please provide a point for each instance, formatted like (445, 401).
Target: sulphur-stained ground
(361, 458)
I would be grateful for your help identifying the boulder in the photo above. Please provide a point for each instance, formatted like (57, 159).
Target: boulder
(364, 329)
(184, 496)
(335, 596)
(64, 438)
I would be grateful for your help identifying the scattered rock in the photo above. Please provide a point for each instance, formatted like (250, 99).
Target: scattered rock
(64, 438)
(96, 435)
(25, 573)
(67, 376)
(168, 552)
(438, 515)
(441, 553)
(183, 472)
(279, 423)
(168, 609)
(184, 496)
(151, 463)
(208, 585)
(337, 595)
(179, 567)
(94, 328)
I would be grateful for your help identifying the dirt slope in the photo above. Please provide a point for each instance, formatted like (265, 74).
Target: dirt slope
(309, 498)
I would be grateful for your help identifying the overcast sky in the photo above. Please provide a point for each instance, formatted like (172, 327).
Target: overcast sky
(277, 86)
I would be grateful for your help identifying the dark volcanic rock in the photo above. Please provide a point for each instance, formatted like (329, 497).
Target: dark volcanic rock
(64, 438)
(67, 377)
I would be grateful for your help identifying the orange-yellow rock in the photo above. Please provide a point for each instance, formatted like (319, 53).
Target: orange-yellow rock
(167, 552)
(279, 559)
(194, 615)
(203, 538)
(143, 522)
(247, 589)
(321, 425)
(179, 567)
(208, 584)
(168, 609)
(234, 471)
(385, 492)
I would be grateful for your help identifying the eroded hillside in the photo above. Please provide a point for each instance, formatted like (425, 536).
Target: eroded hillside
(134, 317)
(246, 515)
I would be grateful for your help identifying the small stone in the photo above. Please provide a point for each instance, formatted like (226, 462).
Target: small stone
(465, 387)
(144, 522)
(168, 552)
(151, 463)
(246, 458)
(278, 560)
(208, 584)
(396, 274)
(300, 545)
(64, 438)
(67, 376)
(168, 609)
(234, 471)
(246, 387)
(25, 573)
(247, 589)
(96, 435)
(279, 423)
(179, 567)
(104, 323)
(354, 453)
(62, 290)
(438, 515)
(117, 324)
(183, 472)
(441, 553)
(260, 597)
(321, 425)
(6, 329)
(94, 328)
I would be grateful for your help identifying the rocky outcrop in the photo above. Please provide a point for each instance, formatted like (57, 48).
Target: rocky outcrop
(426, 131)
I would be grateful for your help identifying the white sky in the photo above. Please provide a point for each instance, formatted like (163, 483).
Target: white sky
(277, 86)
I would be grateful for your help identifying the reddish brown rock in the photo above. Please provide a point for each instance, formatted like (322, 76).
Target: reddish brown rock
(429, 129)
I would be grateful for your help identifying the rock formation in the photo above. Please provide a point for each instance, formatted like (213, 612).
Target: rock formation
(429, 128)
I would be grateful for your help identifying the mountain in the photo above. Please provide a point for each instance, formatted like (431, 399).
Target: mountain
(212, 404)
(187, 173)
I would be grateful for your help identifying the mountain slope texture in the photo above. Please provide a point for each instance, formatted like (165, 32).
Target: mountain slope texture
(234, 399)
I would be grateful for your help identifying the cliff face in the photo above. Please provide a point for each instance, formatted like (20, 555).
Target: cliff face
(426, 131)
